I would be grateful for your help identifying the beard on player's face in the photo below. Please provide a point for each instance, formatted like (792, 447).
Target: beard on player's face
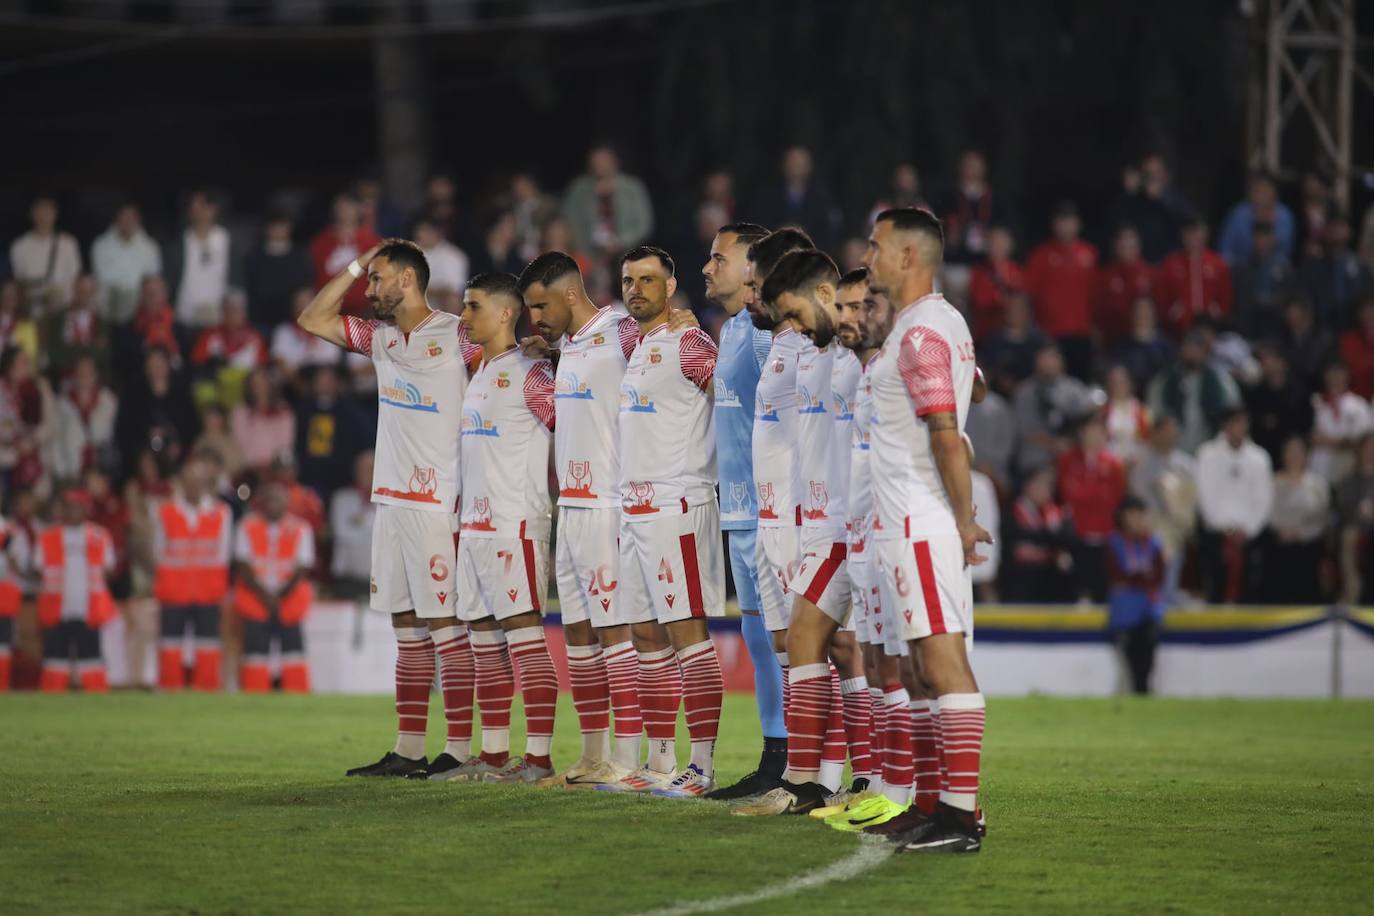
(823, 327)
(849, 335)
(386, 304)
(763, 315)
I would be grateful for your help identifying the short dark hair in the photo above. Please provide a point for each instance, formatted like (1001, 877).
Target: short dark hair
(405, 254)
(549, 267)
(913, 219)
(498, 283)
(640, 252)
(747, 233)
(800, 271)
(857, 275)
(768, 251)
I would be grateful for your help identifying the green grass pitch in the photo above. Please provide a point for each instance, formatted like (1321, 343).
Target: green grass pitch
(237, 804)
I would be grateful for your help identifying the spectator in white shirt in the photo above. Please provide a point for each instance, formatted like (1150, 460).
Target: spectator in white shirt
(350, 521)
(1235, 493)
(448, 264)
(200, 265)
(121, 257)
(295, 351)
(1297, 530)
(45, 260)
(86, 415)
(1340, 418)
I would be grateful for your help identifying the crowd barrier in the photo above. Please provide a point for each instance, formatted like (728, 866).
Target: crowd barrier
(1034, 649)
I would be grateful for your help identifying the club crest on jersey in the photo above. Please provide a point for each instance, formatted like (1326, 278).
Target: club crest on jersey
(578, 481)
(819, 498)
(641, 501)
(474, 425)
(433, 349)
(766, 501)
(406, 396)
(778, 365)
(809, 403)
(502, 380)
(631, 401)
(655, 356)
(478, 516)
(568, 385)
(598, 340)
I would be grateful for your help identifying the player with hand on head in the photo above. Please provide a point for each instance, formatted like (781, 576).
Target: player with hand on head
(925, 533)
(743, 355)
(503, 548)
(593, 347)
(670, 529)
(422, 357)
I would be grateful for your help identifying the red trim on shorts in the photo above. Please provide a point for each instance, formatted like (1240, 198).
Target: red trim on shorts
(925, 570)
(690, 568)
(684, 505)
(829, 566)
(528, 546)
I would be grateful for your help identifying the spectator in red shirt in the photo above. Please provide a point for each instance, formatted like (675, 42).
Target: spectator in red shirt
(235, 343)
(1061, 275)
(1091, 485)
(1357, 349)
(1193, 281)
(334, 248)
(1120, 284)
(992, 280)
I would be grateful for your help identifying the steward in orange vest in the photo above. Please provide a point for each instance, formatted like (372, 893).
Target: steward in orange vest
(73, 600)
(14, 557)
(192, 533)
(274, 553)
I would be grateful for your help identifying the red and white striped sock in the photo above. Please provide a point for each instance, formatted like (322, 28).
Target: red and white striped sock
(877, 736)
(538, 688)
(939, 741)
(809, 719)
(622, 672)
(495, 692)
(897, 756)
(591, 693)
(858, 720)
(703, 691)
(660, 694)
(453, 648)
(414, 676)
(962, 717)
(836, 748)
(925, 756)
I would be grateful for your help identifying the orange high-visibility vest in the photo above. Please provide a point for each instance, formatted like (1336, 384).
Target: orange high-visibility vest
(191, 569)
(100, 608)
(274, 566)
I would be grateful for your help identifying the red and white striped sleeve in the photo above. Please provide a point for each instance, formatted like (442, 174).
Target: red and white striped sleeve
(926, 364)
(358, 334)
(628, 329)
(471, 352)
(697, 356)
(539, 392)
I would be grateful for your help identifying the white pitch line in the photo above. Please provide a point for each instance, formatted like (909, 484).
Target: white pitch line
(868, 856)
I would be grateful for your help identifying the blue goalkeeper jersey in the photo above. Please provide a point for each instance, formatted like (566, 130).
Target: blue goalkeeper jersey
(743, 351)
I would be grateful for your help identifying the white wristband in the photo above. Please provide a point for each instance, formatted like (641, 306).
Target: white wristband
(355, 269)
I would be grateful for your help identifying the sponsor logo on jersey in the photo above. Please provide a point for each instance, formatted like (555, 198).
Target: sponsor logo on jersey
(725, 395)
(765, 411)
(843, 412)
(739, 500)
(406, 396)
(863, 442)
(423, 484)
(478, 516)
(577, 482)
(818, 499)
(766, 501)
(641, 501)
(809, 403)
(568, 385)
(474, 425)
(631, 401)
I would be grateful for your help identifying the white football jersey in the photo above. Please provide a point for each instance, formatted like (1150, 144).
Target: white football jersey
(421, 379)
(860, 479)
(926, 366)
(586, 394)
(667, 423)
(822, 494)
(844, 383)
(508, 419)
(775, 433)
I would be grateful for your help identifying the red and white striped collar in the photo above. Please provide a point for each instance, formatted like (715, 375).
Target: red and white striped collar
(500, 356)
(600, 313)
(652, 331)
(785, 331)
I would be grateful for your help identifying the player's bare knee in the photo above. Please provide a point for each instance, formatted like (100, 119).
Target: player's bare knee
(613, 636)
(485, 624)
(524, 621)
(808, 634)
(580, 633)
(942, 665)
(406, 620)
(440, 623)
(649, 637)
(684, 633)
